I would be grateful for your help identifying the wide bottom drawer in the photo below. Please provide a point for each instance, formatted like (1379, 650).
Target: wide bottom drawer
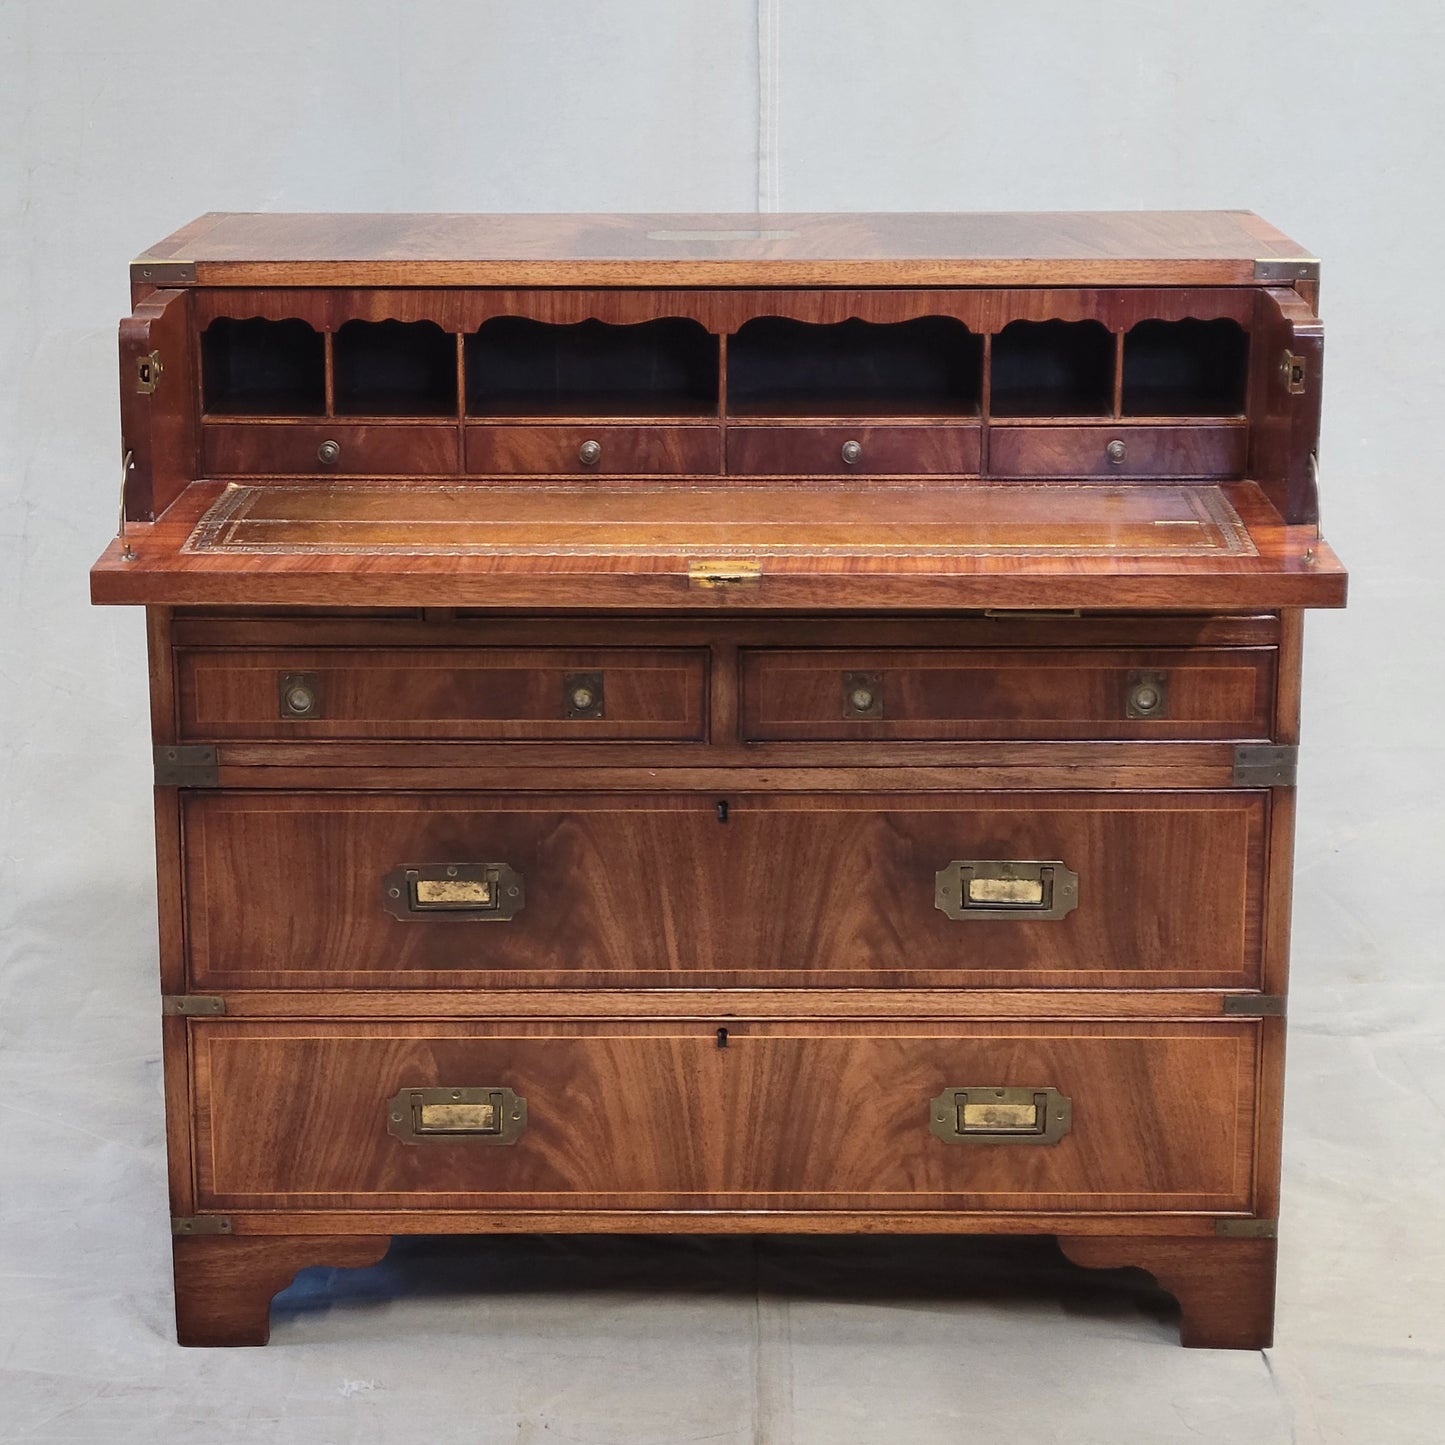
(727, 1114)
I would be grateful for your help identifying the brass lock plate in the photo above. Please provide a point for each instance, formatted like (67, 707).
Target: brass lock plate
(994, 1114)
(489, 1115)
(453, 892)
(996, 888)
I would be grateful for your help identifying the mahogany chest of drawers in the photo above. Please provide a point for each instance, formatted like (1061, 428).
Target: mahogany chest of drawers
(671, 724)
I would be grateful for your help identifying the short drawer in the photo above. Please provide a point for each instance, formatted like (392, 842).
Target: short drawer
(322, 890)
(474, 694)
(821, 695)
(853, 450)
(1117, 451)
(593, 450)
(631, 1114)
(328, 449)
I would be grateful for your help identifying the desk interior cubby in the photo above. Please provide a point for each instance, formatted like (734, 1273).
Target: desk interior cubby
(256, 367)
(516, 366)
(1052, 368)
(394, 368)
(1185, 368)
(928, 366)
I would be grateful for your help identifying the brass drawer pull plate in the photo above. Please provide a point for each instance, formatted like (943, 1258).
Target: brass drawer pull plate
(982, 889)
(298, 694)
(453, 892)
(583, 695)
(456, 1116)
(995, 1115)
(862, 695)
(1148, 694)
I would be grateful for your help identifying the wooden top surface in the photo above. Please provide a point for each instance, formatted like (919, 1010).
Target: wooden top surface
(630, 545)
(747, 249)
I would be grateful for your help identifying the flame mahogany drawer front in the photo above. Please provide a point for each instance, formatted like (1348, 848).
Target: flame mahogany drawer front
(823, 695)
(328, 449)
(589, 449)
(787, 1115)
(333, 890)
(1114, 450)
(476, 694)
(782, 450)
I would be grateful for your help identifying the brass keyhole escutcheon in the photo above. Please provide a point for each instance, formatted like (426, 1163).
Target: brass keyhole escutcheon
(852, 452)
(1116, 451)
(328, 453)
(589, 453)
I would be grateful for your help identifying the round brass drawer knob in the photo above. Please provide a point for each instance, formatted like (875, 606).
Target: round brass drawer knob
(328, 452)
(1116, 451)
(860, 699)
(852, 452)
(300, 700)
(589, 453)
(583, 699)
(1145, 698)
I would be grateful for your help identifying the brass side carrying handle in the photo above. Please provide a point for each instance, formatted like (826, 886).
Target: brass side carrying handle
(996, 888)
(490, 1115)
(994, 1114)
(453, 893)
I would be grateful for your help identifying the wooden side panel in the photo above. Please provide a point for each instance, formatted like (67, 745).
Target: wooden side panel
(286, 890)
(924, 695)
(1284, 403)
(157, 403)
(478, 694)
(787, 1115)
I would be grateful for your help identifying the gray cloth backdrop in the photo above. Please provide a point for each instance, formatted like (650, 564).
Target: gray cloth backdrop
(119, 123)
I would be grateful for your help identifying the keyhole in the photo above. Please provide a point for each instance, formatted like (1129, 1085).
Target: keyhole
(722, 1038)
(722, 812)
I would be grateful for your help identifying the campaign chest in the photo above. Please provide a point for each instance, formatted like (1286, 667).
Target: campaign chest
(713, 723)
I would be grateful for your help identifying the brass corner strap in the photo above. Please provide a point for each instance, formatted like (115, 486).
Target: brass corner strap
(186, 765)
(1246, 1228)
(1254, 1005)
(201, 1224)
(1265, 765)
(192, 1005)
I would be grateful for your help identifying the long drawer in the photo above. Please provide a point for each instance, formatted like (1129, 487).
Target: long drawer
(315, 890)
(476, 693)
(626, 1114)
(819, 695)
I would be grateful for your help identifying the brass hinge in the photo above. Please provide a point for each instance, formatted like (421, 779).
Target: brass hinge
(201, 1224)
(1255, 1005)
(1264, 765)
(729, 572)
(1246, 1228)
(1278, 270)
(191, 1005)
(163, 273)
(188, 765)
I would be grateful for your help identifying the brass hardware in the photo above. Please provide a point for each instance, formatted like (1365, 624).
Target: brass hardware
(148, 371)
(589, 453)
(862, 695)
(328, 453)
(583, 696)
(127, 465)
(1116, 451)
(201, 1224)
(730, 572)
(1263, 765)
(163, 273)
(299, 694)
(852, 452)
(1148, 694)
(189, 765)
(1277, 269)
(1254, 1005)
(1292, 369)
(192, 1005)
(453, 892)
(983, 889)
(1246, 1228)
(456, 1116)
(993, 1115)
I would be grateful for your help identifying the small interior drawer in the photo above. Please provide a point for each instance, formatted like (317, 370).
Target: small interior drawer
(846, 450)
(1117, 450)
(329, 449)
(473, 694)
(590, 450)
(822, 695)
(908, 1113)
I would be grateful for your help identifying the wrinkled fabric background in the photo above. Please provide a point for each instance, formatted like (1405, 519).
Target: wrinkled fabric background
(118, 124)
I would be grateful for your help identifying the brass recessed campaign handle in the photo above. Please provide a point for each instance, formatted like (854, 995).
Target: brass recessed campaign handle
(997, 888)
(998, 1114)
(453, 893)
(490, 1115)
